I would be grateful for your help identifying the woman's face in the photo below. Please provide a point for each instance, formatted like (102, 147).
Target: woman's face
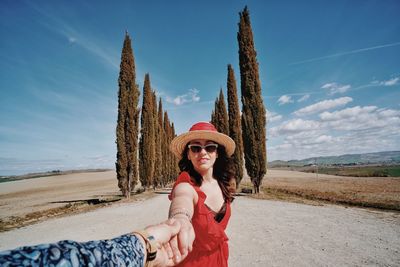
(202, 153)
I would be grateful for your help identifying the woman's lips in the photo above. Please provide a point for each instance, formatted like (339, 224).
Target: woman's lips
(203, 160)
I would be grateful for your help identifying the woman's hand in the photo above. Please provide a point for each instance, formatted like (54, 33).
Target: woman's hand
(182, 244)
(174, 239)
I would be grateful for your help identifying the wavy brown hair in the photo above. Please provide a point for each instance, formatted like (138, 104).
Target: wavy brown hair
(222, 170)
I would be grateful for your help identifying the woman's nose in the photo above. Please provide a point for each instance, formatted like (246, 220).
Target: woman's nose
(203, 151)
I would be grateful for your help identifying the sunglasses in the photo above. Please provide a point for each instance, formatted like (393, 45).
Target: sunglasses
(210, 148)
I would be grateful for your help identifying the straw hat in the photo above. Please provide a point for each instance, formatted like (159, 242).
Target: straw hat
(201, 130)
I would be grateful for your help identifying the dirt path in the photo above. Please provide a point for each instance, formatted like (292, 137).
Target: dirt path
(262, 232)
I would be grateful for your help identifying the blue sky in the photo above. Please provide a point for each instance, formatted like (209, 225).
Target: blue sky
(330, 74)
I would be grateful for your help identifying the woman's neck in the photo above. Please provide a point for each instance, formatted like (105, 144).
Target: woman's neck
(207, 175)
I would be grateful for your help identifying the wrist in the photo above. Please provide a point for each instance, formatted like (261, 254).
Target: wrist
(150, 247)
(180, 213)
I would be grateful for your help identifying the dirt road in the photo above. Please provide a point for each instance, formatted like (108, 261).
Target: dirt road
(261, 232)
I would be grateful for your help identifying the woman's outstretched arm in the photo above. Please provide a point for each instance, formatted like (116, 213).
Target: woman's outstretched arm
(184, 198)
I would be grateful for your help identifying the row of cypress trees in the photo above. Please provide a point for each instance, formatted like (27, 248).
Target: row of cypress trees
(249, 129)
(154, 165)
(157, 166)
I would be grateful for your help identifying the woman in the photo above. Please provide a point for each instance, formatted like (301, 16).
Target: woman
(154, 246)
(201, 195)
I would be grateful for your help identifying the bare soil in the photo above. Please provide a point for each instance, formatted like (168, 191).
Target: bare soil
(262, 232)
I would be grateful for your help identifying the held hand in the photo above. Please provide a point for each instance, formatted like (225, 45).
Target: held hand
(174, 238)
(185, 236)
(182, 243)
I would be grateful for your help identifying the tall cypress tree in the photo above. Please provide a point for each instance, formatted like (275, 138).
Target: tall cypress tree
(146, 144)
(127, 122)
(212, 121)
(163, 146)
(253, 110)
(235, 125)
(174, 163)
(157, 142)
(223, 124)
(219, 117)
(167, 155)
(214, 114)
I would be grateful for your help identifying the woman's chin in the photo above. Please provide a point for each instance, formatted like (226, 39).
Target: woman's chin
(201, 168)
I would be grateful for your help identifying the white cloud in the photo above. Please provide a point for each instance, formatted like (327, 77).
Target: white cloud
(323, 105)
(304, 98)
(190, 97)
(273, 117)
(359, 129)
(285, 99)
(335, 88)
(347, 113)
(294, 126)
(391, 82)
(368, 118)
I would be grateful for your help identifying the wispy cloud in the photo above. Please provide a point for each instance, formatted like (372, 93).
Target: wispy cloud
(335, 88)
(285, 99)
(295, 126)
(73, 36)
(303, 98)
(345, 53)
(346, 113)
(273, 116)
(71, 39)
(390, 82)
(190, 97)
(323, 105)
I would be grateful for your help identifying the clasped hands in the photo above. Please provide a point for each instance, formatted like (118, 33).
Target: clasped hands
(174, 239)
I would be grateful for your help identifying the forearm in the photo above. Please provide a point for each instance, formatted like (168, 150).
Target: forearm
(127, 249)
(181, 206)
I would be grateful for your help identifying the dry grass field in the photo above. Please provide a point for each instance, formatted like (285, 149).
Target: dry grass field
(374, 192)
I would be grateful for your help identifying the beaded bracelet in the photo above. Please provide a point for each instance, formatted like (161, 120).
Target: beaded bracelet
(180, 211)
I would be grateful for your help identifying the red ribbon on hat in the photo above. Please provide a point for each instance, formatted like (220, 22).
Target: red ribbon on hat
(203, 126)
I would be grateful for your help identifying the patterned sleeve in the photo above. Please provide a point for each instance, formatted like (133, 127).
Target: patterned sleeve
(125, 250)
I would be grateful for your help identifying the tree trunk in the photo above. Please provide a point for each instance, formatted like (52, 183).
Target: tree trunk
(256, 186)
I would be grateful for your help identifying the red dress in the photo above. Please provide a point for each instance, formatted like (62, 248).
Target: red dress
(210, 247)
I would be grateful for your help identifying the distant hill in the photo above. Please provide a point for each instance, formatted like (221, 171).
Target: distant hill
(387, 157)
(45, 174)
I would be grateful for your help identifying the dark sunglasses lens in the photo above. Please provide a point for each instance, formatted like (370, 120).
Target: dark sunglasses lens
(211, 148)
(195, 149)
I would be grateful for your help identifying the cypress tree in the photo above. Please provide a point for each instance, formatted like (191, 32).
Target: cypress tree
(235, 126)
(214, 114)
(219, 117)
(174, 163)
(158, 142)
(146, 145)
(163, 147)
(127, 122)
(253, 110)
(212, 121)
(223, 124)
(167, 155)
